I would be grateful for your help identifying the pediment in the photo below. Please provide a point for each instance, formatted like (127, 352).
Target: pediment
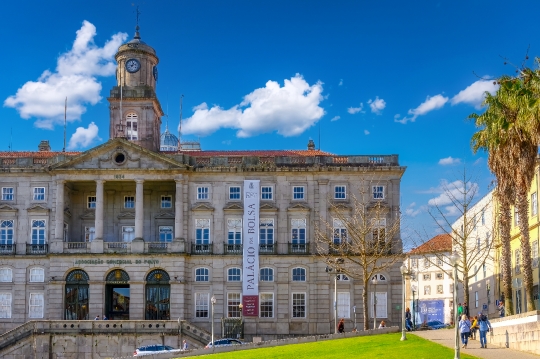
(119, 153)
(37, 208)
(233, 206)
(378, 206)
(126, 215)
(340, 206)
(89, 215)
(268, 207)
(299, 207)
(165, 215)
(202, 206)
(7, 208)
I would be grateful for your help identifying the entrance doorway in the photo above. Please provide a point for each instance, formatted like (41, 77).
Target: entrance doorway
(117, 295)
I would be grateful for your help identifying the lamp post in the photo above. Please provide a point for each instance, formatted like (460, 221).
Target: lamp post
(241, 306)
(374, 281)
(404, 271)
(413, 290)
(329, 270)
(454, 258)
(213, 301)
(354, 310)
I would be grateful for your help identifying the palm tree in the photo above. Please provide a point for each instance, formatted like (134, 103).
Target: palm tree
(508, 132)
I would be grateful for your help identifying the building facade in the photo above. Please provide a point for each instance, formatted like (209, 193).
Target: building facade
(130, 232)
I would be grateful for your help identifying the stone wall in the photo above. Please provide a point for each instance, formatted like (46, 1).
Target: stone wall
(519, 332)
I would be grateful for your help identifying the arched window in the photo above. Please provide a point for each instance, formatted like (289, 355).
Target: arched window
(158, 295)
(299, 274)
(76, 299)
(379, 277)
(131, 126)
(201, 275)
(234, 275)
(6, 275)
(267, 275)
(117, 276)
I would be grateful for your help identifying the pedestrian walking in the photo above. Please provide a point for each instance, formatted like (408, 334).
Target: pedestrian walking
(184, 345)
(501, 309)
(408, 321)
(466, 310)
(459, 310)
(474, 327)
(341, 326)
(484, 325)
(464, 329)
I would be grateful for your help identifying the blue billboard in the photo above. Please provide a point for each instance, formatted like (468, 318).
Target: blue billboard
(428, 310)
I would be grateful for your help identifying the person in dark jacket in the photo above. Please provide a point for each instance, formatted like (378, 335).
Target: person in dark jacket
(408, 321)
(466, 310)
(341, 326)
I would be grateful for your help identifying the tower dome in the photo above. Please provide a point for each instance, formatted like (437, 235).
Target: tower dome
(168, 142)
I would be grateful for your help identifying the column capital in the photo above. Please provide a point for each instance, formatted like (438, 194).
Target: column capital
(60, 181)
(100, 181)
(179, 178)
(139, 181)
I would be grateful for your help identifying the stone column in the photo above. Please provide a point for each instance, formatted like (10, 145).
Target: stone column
(139, 209)
(178, 244)
(97, 244)
(56, 245)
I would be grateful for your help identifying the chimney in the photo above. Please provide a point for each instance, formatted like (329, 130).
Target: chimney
(311, 145)
(44, 146)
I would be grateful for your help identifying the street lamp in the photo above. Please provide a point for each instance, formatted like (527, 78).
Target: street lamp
(454, 259)
(241, 306)
(374, 281)
(213, 301)
(329, 270)
(413, 290)
(404, 271)
(354, 310)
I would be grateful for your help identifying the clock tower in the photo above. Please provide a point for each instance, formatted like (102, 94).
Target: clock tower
(135, 110)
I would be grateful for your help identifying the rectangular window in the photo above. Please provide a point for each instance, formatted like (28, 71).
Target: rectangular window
(202, 303)
(267, 193)
(7, 194)
(6, 275)
(38, 231)
(379, 233)
(299, 305)
(414, 262)
(166, 233)
(202, 193)
(266, 304)
(5, 305)
(39, 193)
(298, 192)
(427, 276)
(89, 234)
(91, 202)
(6, 231)
(518, 261)
(340, 192)
(340, 232)
(202, 231)
(166, 201)
(427, 290)
(344, 305)
(128, 233)
(534, 254)
(233, 301)
(476, 299)
(378, 192)
(439, 276)
(234, 193)
(266, 234)
(129, 202)
(476, 273)
(66, 232)
(439, 289)
(534, 204)
(234, 231)
(484, 270)
(380, 304)
(451, 288)
(440, 262)
(37, 275)
(36, 304)
(427, 263)
(298, 231)
(483, 217)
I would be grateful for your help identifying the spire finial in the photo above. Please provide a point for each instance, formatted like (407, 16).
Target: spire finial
(137, 35)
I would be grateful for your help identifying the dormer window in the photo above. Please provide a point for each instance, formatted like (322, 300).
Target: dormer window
(131, 126)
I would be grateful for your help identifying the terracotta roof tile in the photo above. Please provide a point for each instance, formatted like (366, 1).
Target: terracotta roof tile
(439, 243)
(35, 154)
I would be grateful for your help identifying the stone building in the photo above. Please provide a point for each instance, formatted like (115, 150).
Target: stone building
(133, 233)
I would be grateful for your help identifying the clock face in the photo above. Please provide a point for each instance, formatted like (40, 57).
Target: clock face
(133, 65)
(154, 71)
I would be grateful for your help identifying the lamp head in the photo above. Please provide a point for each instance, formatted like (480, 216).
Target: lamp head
(454, 259)
(213, 300)
(404, 270)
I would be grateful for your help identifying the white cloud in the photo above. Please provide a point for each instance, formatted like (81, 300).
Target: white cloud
(449, 161)
(83, 137)
(474, 94)
(226, 142)
(340, 82)
(289, 110)
(353, 110)
(478, 161)
(430, 104)
(411, 211)
(447, 192)
(335, 118)
(366, 132)
(377, 105)
(74, 78)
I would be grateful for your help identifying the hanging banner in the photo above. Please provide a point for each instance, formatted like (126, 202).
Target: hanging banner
(250, 268)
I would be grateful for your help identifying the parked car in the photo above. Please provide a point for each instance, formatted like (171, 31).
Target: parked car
(154, 349)
(224, 342)
(436, 324)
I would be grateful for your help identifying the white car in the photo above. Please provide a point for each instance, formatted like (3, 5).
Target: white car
(154, 349)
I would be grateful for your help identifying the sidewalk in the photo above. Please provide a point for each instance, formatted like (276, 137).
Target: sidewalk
(446, 337)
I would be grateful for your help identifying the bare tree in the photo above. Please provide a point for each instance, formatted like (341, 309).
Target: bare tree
(473, 250)
(361, 240)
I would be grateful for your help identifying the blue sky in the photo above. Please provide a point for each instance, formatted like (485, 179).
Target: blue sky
(379, 77)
